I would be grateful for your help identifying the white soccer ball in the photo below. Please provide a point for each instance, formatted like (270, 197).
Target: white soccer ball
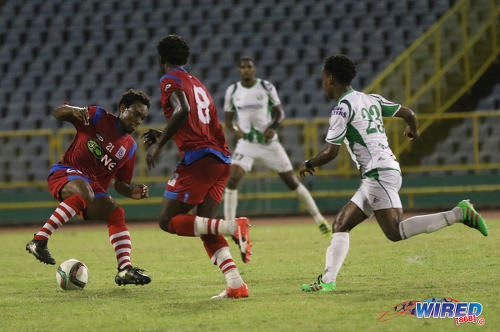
(72, 274)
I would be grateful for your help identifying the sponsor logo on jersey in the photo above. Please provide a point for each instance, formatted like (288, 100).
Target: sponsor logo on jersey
(99, 137)
(167, 86)
(99, 154)
(249, 107)
(121, 152)
(339, 111)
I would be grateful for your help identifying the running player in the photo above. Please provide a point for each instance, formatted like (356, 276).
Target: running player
(257, 106)
(102, 150)
(200, 177)
(357, 121)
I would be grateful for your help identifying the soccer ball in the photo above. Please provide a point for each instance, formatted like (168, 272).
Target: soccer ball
(72, 274)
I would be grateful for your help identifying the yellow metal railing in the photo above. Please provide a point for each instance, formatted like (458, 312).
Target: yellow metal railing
(313, 132)
(445, 62)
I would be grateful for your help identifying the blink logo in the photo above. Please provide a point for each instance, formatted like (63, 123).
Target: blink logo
(100, 155)
(463, 312)
(339, 111)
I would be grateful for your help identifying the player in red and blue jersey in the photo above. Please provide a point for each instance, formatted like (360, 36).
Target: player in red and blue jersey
(201, 175)
(101, 151)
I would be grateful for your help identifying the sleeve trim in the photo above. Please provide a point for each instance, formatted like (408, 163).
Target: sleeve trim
(132, 150)
(170, 76)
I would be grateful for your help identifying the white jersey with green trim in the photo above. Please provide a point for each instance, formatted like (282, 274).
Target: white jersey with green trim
(252, 106)
(357, 121)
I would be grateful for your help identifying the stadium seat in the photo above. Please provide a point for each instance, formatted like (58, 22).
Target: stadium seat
(106, 49)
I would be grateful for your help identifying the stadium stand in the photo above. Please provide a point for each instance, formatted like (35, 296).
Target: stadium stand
(89, 52)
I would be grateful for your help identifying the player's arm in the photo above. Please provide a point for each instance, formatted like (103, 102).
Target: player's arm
(137, 191)
(66, 112)
(277, 115)
(123, 178)
(230, 111)
(180, 106)
(329, 152)
(233, 126)
(410, 118)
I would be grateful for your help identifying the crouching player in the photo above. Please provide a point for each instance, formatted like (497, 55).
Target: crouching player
(101, 151)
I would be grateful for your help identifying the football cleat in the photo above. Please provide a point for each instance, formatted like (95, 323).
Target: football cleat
(318, 286)
(39, 249)
(234, 293)
(242, 238)
(131, 275)
(471, 218)
(324, 228)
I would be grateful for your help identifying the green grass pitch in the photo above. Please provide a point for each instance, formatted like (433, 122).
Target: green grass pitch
(455, 262)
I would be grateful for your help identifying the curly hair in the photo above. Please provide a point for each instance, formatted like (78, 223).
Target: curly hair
(174, 50)
(131, 96)
(341, 67)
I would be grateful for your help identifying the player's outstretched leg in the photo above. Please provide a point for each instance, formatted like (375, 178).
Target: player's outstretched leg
(39, 249)
(242, 238)
(62, 214)
(218, 250)
(335, 256)
(182, 224)
(472, 218)
(324, 228)
(131, 275)
(306, 199)
(233, 293)
(318, 286)
(464, 212)
(119, 237)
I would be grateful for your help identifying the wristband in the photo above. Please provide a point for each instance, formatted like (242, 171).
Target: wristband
(308, 164)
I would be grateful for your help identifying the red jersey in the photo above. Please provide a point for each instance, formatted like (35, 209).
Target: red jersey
(202, 132)
(100, 150)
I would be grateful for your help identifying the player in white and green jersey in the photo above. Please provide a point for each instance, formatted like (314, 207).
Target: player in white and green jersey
(357, 122)
(257, 107)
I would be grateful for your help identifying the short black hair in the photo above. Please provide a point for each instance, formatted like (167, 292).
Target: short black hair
(341, 67)
(131, 96)
(174, 50)
(246, 58)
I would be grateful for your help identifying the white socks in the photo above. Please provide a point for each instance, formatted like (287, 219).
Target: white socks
(230, 203)
(429, 223)
(306, 199)
(226, 264)
(335, 256)
(204, 226)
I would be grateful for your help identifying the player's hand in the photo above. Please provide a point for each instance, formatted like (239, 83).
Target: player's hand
(238, 133)
(411, 134)
(152, 155)
(303, 170)
(81, 114)
(269, 134)
(140, 191)
(151, 136)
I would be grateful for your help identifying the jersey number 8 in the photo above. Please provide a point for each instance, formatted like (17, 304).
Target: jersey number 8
(202, 103)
